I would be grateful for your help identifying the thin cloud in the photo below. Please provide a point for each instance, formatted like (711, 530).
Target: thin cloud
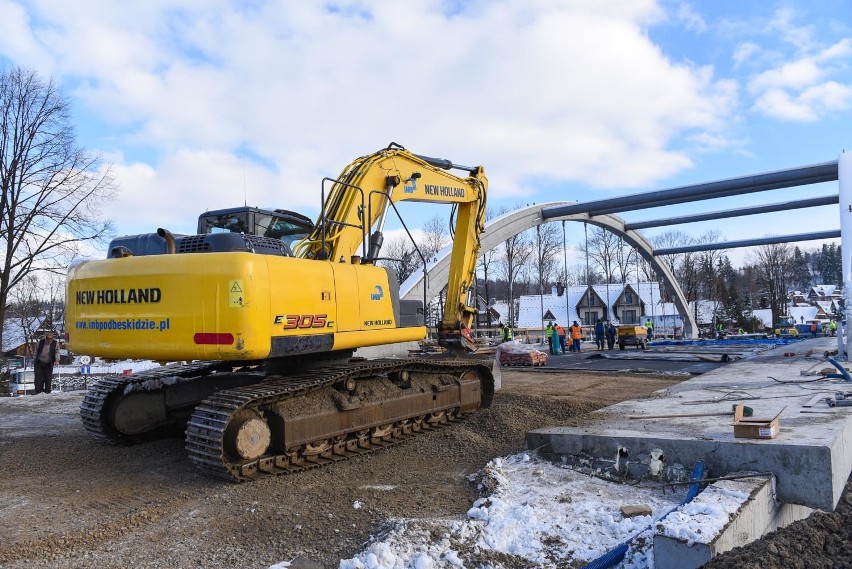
(803, 90)
(692, 20)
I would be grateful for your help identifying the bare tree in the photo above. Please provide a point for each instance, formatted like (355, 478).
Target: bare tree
(625, 258)
(772, 268)
(436, 236)
(51, 188)
(25, 309)
(577, 275)
(486, 261)
(671, 239)
(516, 252)
(708, 267)
(604, 249)
(401, 256)
(548, 245)
(684, 266)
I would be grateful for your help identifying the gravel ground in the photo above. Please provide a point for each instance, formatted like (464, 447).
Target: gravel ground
(823, 540)
(69, 501)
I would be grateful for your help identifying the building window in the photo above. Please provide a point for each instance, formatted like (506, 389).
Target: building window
(628, 298)
(628, 317)
(590, 318)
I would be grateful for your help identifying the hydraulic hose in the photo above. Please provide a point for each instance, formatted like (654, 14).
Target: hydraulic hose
(616, 554)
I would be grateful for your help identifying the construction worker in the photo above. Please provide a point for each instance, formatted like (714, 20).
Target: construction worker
(576, 336)
(560, 332)
(650, 327)
(554, 339)
(813, 329)
(506, 332)
(599, 334)
(832, 327)
(548, 333)
(611, 333)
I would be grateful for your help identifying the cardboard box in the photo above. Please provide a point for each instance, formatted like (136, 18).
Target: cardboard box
(753, 427)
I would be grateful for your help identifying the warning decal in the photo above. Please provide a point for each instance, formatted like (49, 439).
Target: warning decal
(236, 299)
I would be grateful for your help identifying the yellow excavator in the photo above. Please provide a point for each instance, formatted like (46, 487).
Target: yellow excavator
(263, 323)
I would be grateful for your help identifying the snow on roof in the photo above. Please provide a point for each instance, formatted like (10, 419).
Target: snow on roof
(501, 308)
(823, 290)
(13, 332)
(800, 314)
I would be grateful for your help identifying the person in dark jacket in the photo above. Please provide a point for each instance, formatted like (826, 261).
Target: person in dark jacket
(46, 356)
(611, 333)
(599, 334)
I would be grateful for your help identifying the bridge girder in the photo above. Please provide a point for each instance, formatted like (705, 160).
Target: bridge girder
(510, 224)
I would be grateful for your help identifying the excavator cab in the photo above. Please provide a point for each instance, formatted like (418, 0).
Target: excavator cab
(264, 231)
(287, 226)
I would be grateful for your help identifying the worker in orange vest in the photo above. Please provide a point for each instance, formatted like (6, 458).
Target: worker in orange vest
(576, 332)
(576, 335)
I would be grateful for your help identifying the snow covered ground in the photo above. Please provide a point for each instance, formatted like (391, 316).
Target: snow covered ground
(548, 515)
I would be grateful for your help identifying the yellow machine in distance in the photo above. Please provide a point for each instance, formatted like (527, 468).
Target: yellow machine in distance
(267, 321)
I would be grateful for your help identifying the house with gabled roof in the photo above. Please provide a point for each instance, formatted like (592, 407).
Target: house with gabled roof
(823, 292)
(20, 335)
(586, 304)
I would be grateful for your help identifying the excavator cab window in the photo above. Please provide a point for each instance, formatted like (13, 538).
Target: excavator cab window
(224, 223)
(286, 226)
(278, 228)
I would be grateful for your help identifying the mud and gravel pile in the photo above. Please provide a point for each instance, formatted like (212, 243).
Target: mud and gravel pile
(823, 540)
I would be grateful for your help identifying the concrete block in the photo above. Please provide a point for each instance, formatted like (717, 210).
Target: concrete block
(701, 530)
(811, 455)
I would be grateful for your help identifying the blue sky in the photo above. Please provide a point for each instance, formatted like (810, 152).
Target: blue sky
(209, 103)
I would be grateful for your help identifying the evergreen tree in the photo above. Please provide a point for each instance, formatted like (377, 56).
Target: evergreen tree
(800, 274)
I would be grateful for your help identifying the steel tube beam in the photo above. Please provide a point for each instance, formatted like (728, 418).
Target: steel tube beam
(781, 206)
(832, 234)
(845, 185)
(803, 175)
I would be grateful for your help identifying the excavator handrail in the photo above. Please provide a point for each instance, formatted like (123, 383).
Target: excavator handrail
(323, 222)
(413, 242)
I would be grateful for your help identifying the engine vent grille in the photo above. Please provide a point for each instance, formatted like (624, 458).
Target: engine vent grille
(224, 242)
(193, 244)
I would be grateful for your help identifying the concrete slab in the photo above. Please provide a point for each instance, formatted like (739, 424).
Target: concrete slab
(811, 456)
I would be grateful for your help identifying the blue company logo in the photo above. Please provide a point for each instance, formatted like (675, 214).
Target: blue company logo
(410, 186)
(378, 294)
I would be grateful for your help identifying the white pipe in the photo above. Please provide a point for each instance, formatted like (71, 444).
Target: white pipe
(844, 181)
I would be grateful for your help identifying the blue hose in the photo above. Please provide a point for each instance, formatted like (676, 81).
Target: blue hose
(844, 373)
(616, 554)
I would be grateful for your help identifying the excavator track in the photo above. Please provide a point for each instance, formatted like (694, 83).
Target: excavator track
(246, 417)
(94, 412)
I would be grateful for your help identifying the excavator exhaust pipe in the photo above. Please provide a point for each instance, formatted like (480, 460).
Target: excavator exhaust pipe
(170, 240)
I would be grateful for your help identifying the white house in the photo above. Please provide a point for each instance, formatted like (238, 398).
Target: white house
(632, 303)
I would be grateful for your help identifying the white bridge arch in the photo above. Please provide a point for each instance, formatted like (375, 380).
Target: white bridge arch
(502, 228)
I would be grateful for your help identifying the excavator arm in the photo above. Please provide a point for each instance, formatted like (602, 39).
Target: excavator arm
(353, 217)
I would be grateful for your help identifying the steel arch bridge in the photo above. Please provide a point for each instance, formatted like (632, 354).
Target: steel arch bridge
(510, 224)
